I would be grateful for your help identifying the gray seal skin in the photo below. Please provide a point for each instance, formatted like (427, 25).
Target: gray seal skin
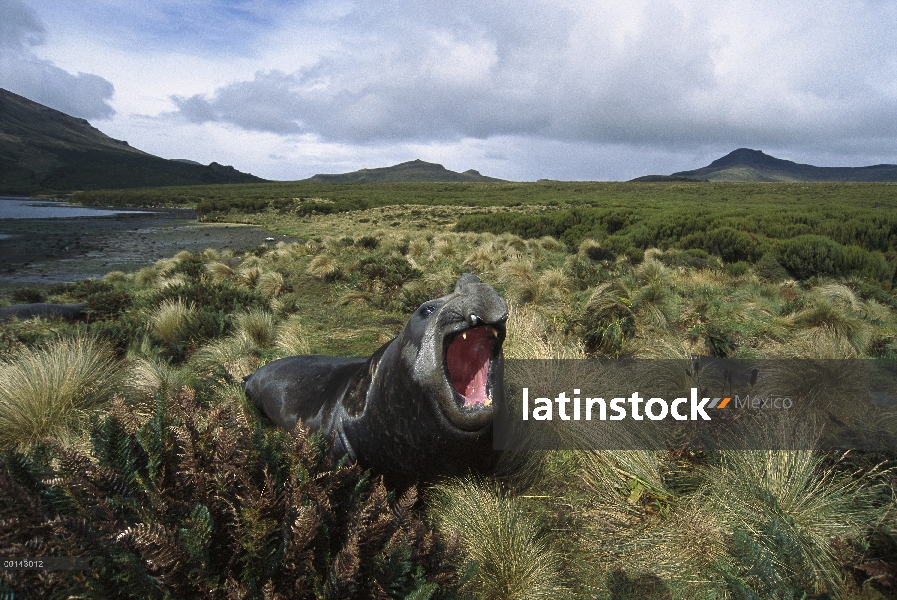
(69, 312)
(420, 407)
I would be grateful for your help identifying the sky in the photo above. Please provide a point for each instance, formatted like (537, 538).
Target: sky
(521, 90)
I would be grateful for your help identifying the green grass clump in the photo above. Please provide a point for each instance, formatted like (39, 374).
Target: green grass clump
(787, 514)
(515, 558)
(171, 322)
(52, 390)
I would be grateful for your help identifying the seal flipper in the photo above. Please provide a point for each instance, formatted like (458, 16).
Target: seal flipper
(306, 388)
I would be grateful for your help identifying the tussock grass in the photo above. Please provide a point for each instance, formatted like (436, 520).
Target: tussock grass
(443, 248)
(484, 258)
(164, 266)
(418, 247)
(825, 321)
(515, 560)
(244, 351)
(220, 270)
(531, 336)
(651, 523)
(556, 281)
(792, 509)
(115, 276)
(664, 345)
(530, 291)
(323, 265)
(171, 321)
(249, 275)
(270, 283)
(816, 343)
(52, 391)
(517, 270)
(635, 524)
(291, 250)
(439, 282)
(653, 304)
(839, 295)
(148, 376)
(355, 296)
(650, 271)
(525, 286)
(146, 276)
(620, 478)
(315, 246)
(257, 325)
(292, 339)
(608, 320)
(237, 354)
(176, 280)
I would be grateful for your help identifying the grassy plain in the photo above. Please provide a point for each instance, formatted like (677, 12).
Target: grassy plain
(615, 524)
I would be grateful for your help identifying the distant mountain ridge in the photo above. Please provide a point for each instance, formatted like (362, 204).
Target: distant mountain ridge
(745, 164)
(411, 171)
(42, 149)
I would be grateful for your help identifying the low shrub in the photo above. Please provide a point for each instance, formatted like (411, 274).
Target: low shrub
(808, 255)
(368, 242)
(389, 271)
(27, 295)
(769, 268)
(737, 269)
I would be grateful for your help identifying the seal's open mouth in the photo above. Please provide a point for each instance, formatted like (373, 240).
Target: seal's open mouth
(468, 360)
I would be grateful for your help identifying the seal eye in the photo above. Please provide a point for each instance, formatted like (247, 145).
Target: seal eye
(427, 309)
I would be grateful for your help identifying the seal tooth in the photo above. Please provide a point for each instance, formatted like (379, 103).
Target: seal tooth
(488, 402)
(464, 336)
(494, 331)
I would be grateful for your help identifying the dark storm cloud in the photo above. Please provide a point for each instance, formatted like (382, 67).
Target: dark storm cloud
(22, 72)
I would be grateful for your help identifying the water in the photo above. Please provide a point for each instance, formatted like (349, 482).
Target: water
(12, 207)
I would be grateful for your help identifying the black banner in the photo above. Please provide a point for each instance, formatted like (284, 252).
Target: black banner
(642, 404)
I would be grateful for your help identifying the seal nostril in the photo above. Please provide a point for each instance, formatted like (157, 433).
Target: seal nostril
(474, 319)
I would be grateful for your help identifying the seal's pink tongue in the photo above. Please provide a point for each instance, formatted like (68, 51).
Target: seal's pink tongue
(467, 360)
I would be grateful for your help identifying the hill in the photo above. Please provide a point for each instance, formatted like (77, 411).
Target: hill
(42, 149)
(414, 170)
(745, 164)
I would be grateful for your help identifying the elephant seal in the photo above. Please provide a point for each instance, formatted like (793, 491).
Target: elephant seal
(420, 407)
(69, 312)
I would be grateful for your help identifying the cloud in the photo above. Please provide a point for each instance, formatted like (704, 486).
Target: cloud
(20, 27)
(659, 73)
(267, 103)
(22, 72)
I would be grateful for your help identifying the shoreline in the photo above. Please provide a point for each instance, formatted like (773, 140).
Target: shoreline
(59, 250)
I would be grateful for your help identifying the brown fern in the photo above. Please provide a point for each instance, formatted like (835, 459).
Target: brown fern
(158, 545)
